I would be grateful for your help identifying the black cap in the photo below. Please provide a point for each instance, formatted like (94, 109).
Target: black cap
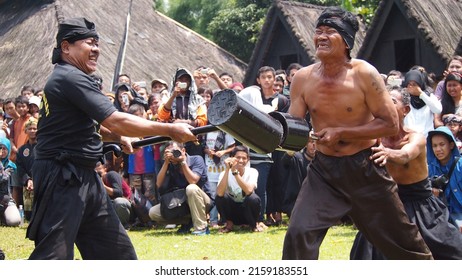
(71, 30)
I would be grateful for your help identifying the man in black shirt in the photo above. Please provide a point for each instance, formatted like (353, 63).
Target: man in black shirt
(70, 203)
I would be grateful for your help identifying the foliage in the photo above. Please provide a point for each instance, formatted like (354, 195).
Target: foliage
(195, 14)
(366, 8)
(165, 244)
(237, 30)
(235, 24)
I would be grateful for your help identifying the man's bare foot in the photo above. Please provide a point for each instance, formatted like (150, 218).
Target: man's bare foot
(262, 225)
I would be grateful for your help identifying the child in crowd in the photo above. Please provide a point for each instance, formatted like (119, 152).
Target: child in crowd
(454, 123)
(442, 157)
(141, 166)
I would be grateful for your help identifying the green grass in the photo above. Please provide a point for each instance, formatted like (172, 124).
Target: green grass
(165, 244)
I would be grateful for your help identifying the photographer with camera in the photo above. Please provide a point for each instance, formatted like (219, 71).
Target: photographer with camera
(404, 156)
(445, 169)
(181, 171)
(202, 77)
(236, 199)
(184, 105)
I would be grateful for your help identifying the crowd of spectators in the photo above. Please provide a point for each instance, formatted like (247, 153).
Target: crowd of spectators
(226, 183)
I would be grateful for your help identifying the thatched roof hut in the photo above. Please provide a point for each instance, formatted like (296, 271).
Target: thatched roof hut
(404, 33)
(157, 45)
(286, 37)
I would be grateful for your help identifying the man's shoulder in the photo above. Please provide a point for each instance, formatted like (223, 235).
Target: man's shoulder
(196, 159)
(360, 65)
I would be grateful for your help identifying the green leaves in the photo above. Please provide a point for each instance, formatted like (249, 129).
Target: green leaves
(235, 24)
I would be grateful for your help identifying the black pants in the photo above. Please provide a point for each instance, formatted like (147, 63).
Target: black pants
(244, 213)
(431, 217)
(71, 206)
(355, 186)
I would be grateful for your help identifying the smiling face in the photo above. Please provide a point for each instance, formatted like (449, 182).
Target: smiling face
(442, 148)
(328, 41)
(22, 109)
(242, 159)
(83, 54)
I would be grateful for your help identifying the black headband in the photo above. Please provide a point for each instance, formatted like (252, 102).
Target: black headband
(72, 30)
(343, 28)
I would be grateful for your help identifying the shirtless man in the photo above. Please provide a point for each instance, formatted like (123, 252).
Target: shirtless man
(350, 108)
(405, 157)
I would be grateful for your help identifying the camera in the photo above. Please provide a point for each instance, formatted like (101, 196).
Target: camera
(125, 99)
(141, 84)
(176, 153)
(439, 182)
(182, 85)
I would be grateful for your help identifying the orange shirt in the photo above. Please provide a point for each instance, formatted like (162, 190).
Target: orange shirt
(165, 115)
(20, 137)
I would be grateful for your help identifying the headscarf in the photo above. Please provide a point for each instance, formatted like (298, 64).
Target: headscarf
(71, 30)
(6, 163)
(418, 77)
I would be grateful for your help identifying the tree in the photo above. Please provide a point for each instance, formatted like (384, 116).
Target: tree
(235, 24)
(237, 30)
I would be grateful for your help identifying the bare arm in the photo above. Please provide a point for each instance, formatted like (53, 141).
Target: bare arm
(438, 120)
(298, 107)
(231, 165)
(217, 79)
(190, 175)
(410, 151)
(223, 184)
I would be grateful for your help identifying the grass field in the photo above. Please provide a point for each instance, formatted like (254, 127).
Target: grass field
(165, 244)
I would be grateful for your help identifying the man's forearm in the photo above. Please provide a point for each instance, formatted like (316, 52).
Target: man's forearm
(109, 136)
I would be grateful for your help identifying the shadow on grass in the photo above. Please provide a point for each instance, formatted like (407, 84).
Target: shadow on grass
(241, 230)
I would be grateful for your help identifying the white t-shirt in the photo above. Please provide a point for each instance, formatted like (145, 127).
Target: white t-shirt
(421, 120)
(213, 170)
(250, 176)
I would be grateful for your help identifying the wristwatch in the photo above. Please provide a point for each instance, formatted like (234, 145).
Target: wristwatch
(235, 172)
(183, 163)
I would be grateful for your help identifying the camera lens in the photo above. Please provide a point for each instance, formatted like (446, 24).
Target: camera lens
(176, 153)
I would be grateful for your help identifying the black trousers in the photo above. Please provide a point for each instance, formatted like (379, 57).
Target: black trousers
(71, 206)
(355, 186)
(431, 217)
(244, 213)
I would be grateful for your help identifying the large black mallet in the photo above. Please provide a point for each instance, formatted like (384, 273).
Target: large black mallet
(259, 131)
